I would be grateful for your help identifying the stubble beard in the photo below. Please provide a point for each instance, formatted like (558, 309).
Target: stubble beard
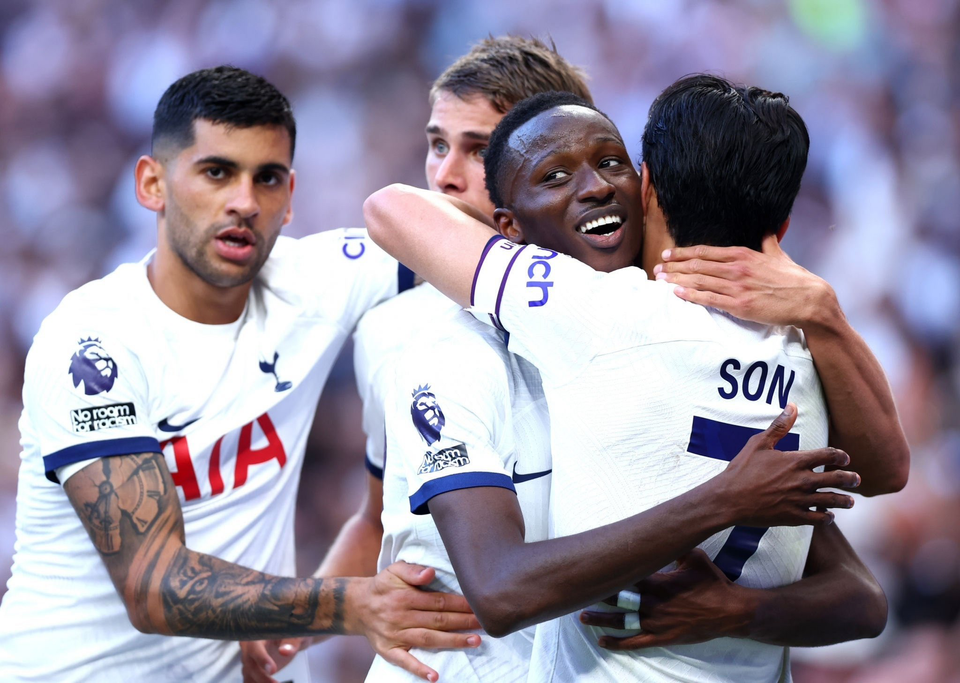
(191, 245)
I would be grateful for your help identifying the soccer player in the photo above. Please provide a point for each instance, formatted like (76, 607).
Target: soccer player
(467, 101)
(166, 411)
(566, 174)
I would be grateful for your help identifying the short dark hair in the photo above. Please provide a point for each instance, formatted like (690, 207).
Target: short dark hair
(224, 94)
(508, 69)
(498, 151)
(726, 160)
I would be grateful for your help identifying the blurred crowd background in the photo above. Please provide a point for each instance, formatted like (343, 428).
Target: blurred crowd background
(878, 83)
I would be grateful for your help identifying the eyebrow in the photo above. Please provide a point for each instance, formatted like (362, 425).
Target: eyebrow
(472, 135)
(229, 163)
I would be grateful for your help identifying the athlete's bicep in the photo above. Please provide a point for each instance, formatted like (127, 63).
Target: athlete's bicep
(477, 526)
(129, 507)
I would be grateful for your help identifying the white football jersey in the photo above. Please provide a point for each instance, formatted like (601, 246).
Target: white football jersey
(464, 413)
(649, 397)
(381, 336)
(113, 371)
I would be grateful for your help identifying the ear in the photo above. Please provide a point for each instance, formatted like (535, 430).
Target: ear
(648, 192)
(148, 178)
(782, 230)
(293, 183)
(508, 226)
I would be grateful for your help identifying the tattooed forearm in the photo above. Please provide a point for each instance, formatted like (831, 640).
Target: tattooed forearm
(131, 511)
(204, 596)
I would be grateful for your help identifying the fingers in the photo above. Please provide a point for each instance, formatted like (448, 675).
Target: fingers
(413, 574)
(440, 621)
(408, 662)
(288, 647)
(827, 499)
(829, 457)
(779, 428)
(437, 640)
(713, 269)
(819, 517)
(437, 602)
(615, 620)
(838, 479)
(702, 283)
(705, 253)
(636, 642)
(258, 666)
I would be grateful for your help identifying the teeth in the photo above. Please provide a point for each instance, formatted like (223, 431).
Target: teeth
(594, 224)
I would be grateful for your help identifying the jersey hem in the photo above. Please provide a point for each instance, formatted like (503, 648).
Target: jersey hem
(373, 469)
(97, 449)
(455, 482)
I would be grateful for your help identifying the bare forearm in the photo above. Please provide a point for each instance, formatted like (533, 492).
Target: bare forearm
(524, 584)
(839, 601)
(863, 416)
(355, 551)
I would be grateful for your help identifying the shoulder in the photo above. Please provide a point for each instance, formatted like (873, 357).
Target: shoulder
(342, 249)
(99, 307)
(460, 353)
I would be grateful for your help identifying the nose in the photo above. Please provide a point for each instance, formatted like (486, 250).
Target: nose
(594, 188)
(243, 201)
(450, 177)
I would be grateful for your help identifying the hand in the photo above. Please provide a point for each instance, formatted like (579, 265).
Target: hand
(395, 616)
(765, 287)
(766, 487)
(691, 604)
(263, 658)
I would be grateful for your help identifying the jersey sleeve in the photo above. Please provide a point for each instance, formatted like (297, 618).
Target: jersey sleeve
(85, 397)
(446, 424)
(346, 266)
(552, 306)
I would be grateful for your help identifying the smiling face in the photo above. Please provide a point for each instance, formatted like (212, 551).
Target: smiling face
(573, 189)
(457, 137)
(225, 199)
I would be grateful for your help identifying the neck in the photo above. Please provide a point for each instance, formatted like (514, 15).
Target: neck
(656, 238)
(187, 295)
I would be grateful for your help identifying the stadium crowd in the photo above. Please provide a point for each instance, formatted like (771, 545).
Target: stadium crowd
(877, 83)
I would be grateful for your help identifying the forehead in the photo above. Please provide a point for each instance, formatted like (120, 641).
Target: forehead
(564, 129)
(453, 115)
(254, 146)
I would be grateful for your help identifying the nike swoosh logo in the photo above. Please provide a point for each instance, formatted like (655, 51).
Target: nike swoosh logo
(165, 426)
(520, 478)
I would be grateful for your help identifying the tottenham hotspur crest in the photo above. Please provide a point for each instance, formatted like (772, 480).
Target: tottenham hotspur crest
(426, 414)
(93, 366)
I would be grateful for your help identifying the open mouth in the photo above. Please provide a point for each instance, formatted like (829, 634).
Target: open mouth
(601, 226)
(235, 244)
(237, 237)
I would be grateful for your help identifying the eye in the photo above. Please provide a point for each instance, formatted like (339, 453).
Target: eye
(611, 162)
(482, 152)
(440, 147)
(216, 172)
(558, 174)
(269, 178)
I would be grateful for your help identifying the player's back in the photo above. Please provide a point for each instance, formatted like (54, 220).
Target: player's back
(492, 429)
(650, 396)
